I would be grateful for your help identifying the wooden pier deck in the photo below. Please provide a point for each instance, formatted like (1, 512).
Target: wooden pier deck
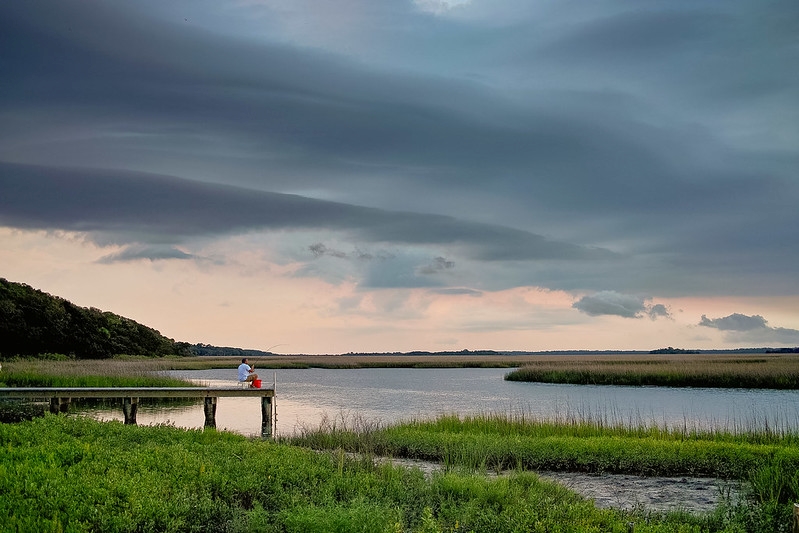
(60, 397)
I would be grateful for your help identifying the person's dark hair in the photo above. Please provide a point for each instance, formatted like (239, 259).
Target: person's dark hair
(244, 360)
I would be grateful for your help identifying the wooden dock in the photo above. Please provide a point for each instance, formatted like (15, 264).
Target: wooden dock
(60, 397)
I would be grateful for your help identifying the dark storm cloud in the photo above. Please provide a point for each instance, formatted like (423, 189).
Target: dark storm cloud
(635, 33)
(658, 311)
(124, 72)
(729, 51)
(324, 114)
(660, 128)
(738, 327)
(319, 249)
(735, 322)
(150, 253)
(617, 304)
(437, 266)
(136, 207)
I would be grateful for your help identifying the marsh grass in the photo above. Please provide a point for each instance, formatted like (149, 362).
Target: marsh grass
(713, 370)
(53, 372)
(93, 373)
(73, 475)
(772, 371)
(767, 463)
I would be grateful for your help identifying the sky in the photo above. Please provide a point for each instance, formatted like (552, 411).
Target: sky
(356, 176)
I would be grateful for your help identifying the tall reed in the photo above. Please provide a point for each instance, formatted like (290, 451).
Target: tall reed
(93, 373)
(497, 442)
(764, 371)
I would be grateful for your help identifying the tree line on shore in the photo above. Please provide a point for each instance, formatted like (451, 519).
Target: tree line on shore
(33, 322)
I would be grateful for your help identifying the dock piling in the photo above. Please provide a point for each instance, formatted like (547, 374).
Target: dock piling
(59, 405)
(209, 407)
(130, 406)
(266, 416)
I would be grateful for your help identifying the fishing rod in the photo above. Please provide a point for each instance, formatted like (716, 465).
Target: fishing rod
(267, 350)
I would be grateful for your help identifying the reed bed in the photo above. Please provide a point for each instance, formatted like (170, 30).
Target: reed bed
(132, 372)
(93, 373)
(767, 464)
(499, 442)
(772, 371)
(728, 369)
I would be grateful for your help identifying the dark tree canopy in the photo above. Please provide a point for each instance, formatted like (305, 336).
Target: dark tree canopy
(673, 351)
(33, 322)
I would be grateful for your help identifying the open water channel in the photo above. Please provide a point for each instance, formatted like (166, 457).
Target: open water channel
(385, 395)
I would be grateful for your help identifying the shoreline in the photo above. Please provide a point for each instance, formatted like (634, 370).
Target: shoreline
(474, 360)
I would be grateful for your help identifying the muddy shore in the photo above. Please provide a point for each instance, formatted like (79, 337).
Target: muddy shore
(690, 494)
(626, 492)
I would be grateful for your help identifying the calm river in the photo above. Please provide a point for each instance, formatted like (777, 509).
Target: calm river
(385, 395)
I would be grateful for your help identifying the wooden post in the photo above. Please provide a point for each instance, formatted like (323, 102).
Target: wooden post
(630, 527)
(130, 406)
(266, 417)
(796, 518)
(210, 412)
(59, 405)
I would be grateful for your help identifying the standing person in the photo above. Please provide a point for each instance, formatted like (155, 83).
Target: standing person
(246, 372)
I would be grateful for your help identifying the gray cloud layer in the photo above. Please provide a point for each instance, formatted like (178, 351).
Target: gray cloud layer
(666, 131)
(735, 322)
(738, 327)
(135, 207)
(623, 305)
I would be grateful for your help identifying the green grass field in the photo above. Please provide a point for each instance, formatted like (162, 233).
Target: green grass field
(73, 474)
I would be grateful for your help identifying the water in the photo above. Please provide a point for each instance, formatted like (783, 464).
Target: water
(386, 395)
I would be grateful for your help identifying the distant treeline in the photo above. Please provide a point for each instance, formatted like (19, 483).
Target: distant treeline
(422, 352)
(207, 349)
(33, 322)
(672, 351)
(783, 350)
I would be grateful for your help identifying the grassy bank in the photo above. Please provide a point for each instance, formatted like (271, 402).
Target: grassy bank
(769, 371)
(73, 474)
(766, 462)
(499, 442)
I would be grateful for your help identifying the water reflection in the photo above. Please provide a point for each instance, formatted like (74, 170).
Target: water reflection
(305, 397)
